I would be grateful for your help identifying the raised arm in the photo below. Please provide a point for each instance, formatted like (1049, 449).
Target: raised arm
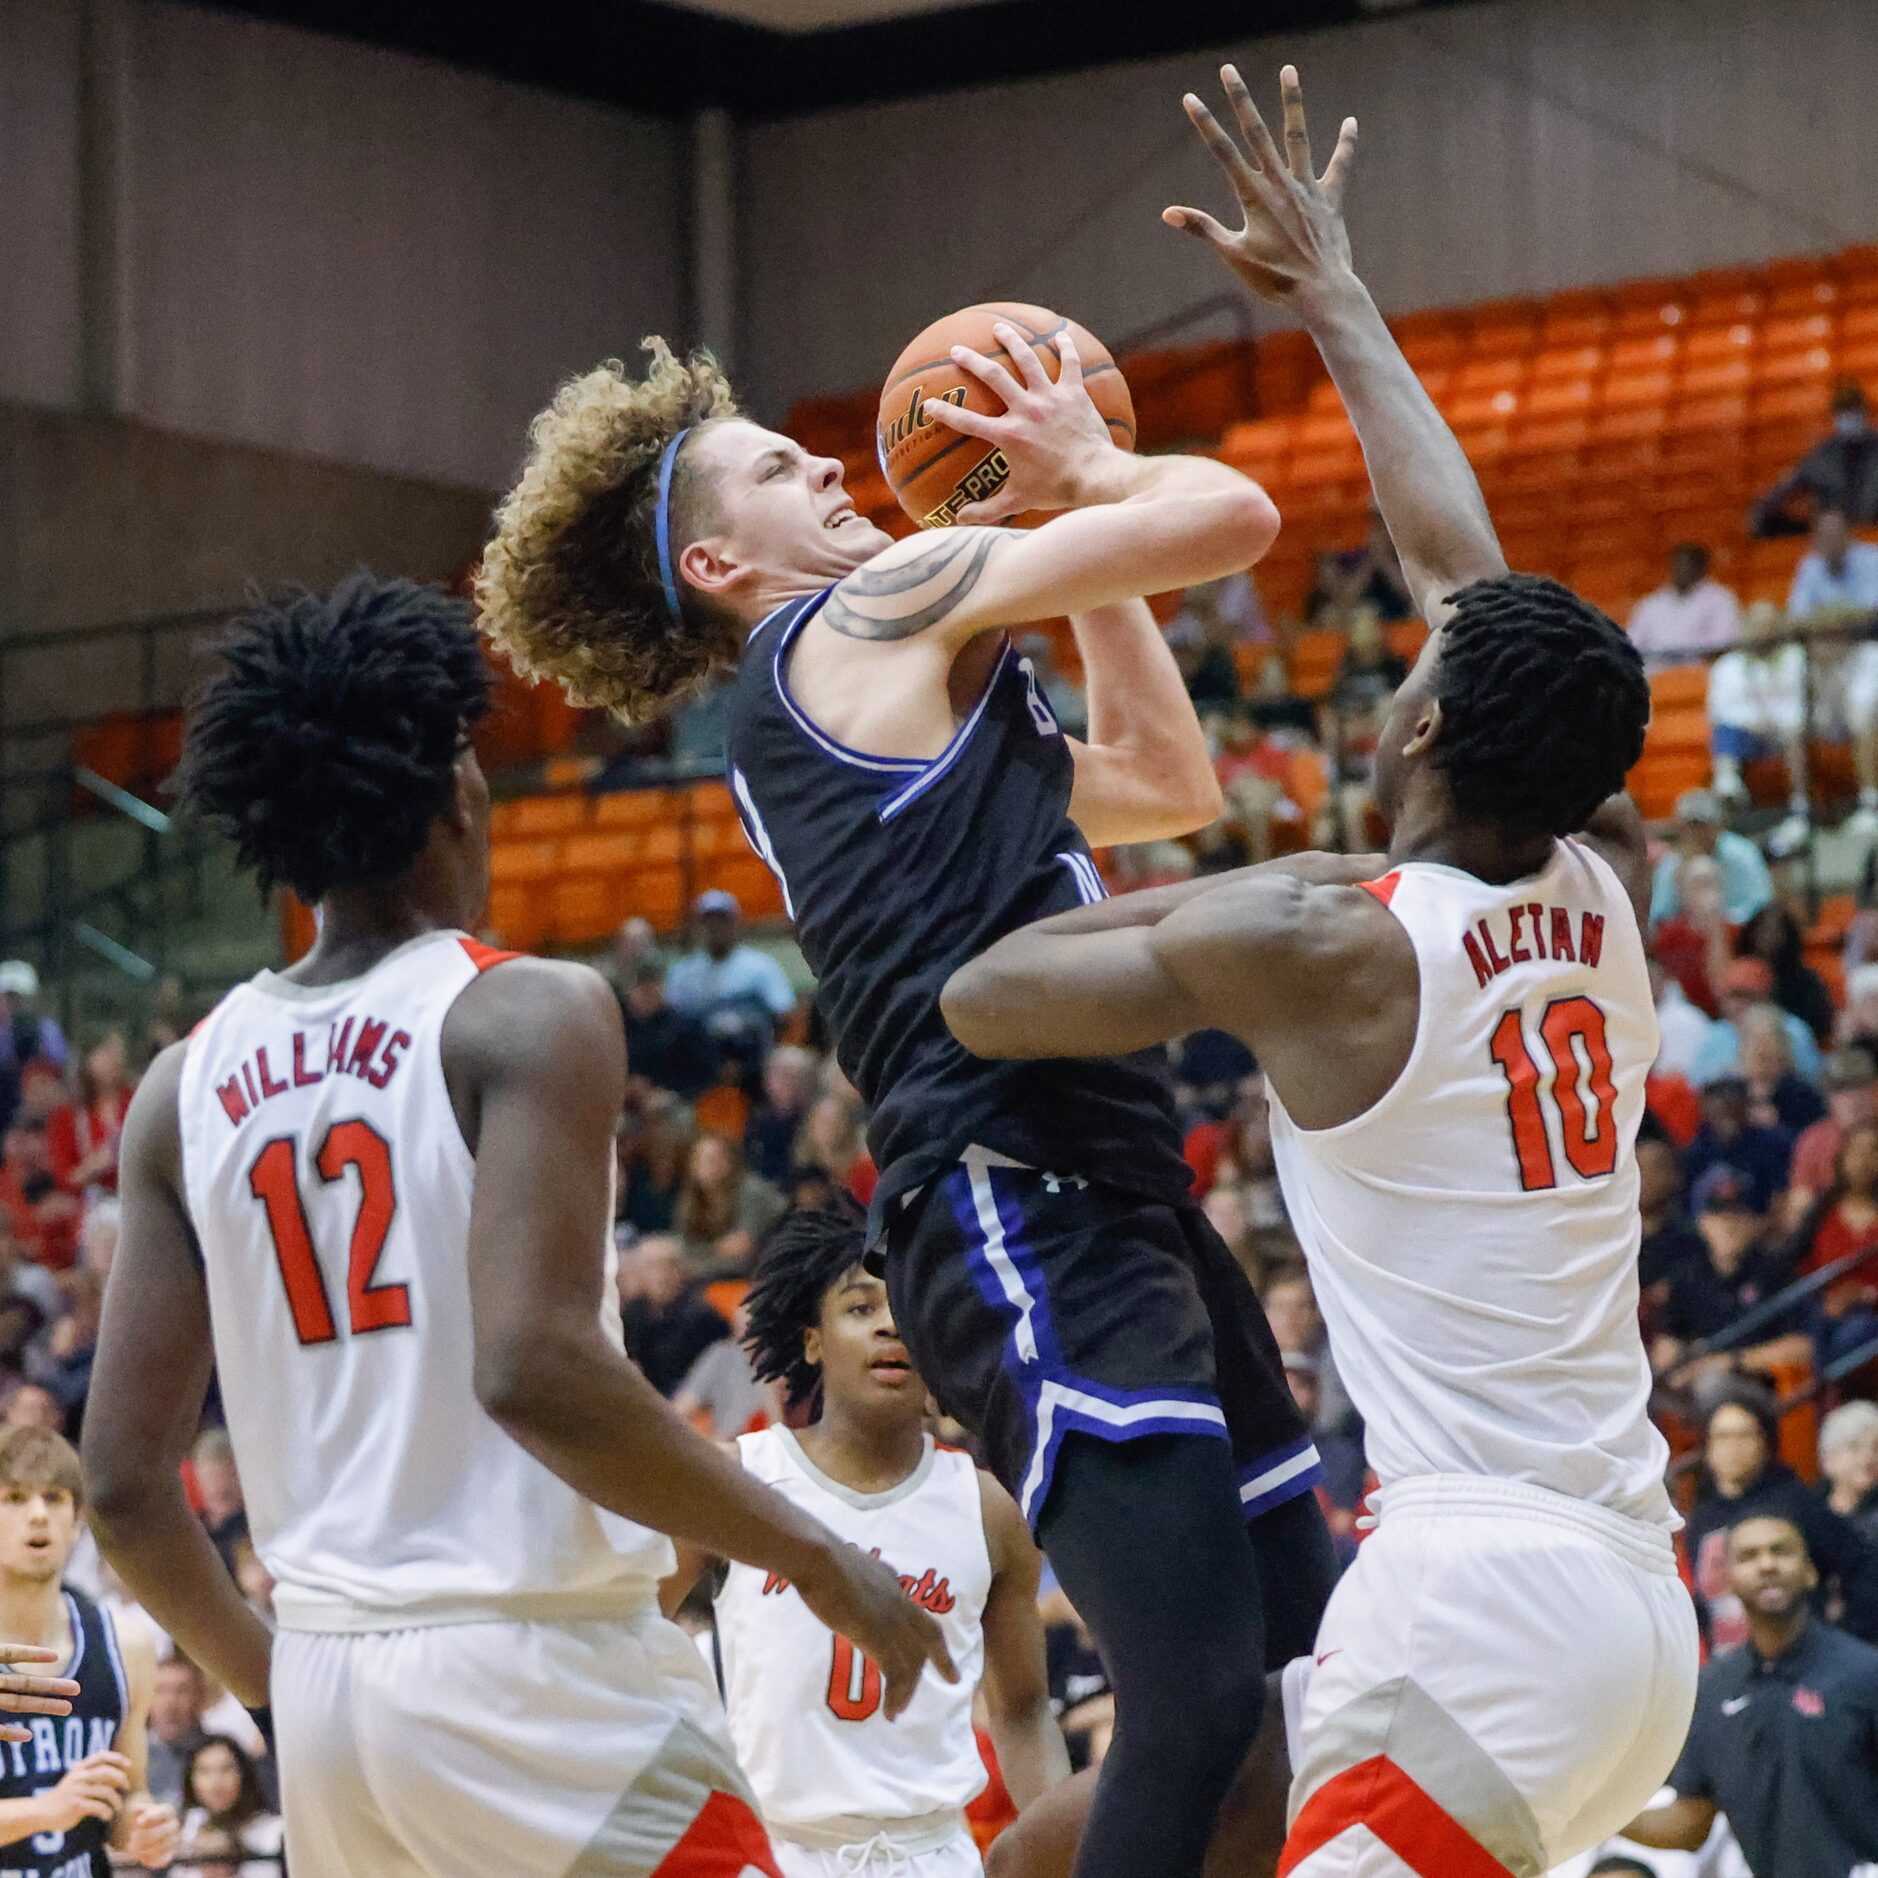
(1294, 249)
(147, 1389)
(536, 1062)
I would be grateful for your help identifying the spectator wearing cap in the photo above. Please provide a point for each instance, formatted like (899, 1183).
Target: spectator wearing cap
(1747, 886)
(1848, 1460)
(1785, 1736)
(24, 1032)
(1839, 472)
(1689, 618)
(1849, 1083)
(1748, 985)
(1740, 1269)
(1757, 708)
(738, 992)
(1730, 1137)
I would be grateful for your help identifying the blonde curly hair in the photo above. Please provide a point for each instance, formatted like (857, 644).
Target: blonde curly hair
(569, 588)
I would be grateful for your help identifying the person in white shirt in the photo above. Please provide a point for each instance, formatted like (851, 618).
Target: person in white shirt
(1681, 623)
(1685, 1029)
(1757, 707)
(1838, 583)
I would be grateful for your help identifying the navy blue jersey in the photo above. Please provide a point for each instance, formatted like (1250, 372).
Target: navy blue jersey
(896, 872)
(60, 1742)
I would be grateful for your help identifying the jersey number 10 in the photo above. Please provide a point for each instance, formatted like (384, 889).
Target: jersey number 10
(1586, 1102)
(274, 1181)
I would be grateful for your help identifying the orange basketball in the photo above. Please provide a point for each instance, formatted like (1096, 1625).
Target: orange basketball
(934, 470)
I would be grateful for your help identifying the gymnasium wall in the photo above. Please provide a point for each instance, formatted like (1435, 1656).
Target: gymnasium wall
(1508, 149)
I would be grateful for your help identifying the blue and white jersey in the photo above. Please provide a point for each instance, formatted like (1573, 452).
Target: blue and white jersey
(897, 872)
(60, 1742)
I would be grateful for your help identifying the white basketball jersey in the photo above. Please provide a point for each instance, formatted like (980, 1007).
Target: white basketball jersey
(805, 1705)
(329, 1186)
(1473, 1238)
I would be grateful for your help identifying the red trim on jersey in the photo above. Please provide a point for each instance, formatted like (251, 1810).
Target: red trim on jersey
(1376, 1793)
(1383, 889)
(482, 956)
(726, 1838)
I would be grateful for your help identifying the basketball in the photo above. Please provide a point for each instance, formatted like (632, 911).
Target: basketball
(933, 470)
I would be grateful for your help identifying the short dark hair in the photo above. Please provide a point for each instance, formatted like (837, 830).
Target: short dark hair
(323, 745)
(1543, 705)
(1695, 549)
(804, 1256)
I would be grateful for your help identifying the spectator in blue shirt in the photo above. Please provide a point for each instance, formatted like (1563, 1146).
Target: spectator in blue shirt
(739, 994)
(24, 1032)
(1747, 886)
(1840, 575)
(1748, 985)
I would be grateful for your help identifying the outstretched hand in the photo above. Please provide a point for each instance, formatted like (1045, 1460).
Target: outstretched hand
(1293, 235)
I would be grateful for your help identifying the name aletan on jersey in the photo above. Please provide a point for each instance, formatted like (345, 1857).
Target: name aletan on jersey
(372, 1055)
(1530, 935)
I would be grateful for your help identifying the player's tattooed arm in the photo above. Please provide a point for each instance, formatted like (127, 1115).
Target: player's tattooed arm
(901, 594)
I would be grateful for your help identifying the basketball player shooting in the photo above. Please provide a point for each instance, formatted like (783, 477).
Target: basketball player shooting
(375, 1190)
(1456, 1053)
(894, 763)
(841, 1785)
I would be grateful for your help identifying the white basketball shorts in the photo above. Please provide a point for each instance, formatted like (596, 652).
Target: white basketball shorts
(1503, 1679)
(883, 1856)
(593, 1749)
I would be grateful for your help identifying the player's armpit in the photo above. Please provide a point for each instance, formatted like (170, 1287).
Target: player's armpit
(1042, 994)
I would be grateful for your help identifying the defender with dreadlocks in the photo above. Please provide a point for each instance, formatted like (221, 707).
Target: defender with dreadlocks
(840, 1785)
(1456, 1053)
(375, 1191)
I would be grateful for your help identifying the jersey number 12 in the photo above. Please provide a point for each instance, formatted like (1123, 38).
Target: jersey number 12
(1582, 1093)
(274, 1181)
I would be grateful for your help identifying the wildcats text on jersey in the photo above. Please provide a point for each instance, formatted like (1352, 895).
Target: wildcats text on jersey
(1531, 931)
(364, 1047)
(928, 1590)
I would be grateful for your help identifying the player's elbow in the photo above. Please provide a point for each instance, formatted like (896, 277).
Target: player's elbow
(511, 1376)
(974, 1007)
(1255, 523)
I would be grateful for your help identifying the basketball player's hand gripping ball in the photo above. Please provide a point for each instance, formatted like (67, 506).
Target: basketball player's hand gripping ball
(1293, 235)
(1050, 430)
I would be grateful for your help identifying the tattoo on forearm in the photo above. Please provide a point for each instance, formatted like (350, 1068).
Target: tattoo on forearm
(882, 605)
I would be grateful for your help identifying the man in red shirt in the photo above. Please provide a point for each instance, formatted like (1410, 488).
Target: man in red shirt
(1850, 1085)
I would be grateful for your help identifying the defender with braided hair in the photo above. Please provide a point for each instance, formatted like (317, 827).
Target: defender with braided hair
(1455, 1050)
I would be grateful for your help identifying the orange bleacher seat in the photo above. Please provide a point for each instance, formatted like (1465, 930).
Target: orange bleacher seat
(1315, 657)
(515, 862)
(586, 908)
(1859, 324)
(1651, 387)
(1708, 344)
(609, 853)
(1659, 778)
(1645, 318)
(1713, 376)
(1480, 410)
(631, 808)
(1797, 330)
(1615, 583)
(1578, 326)
(1678, 686)
(547, 815)
(569, 772)
(1567, 362)
(1859, 359)
(1629, 357)
(1324, 430)
(746, 877)
(654, 893)
(711, 799)
(1810, 362)
(1624, 444)
(518, 916)
(719, 837)
(1322, 469)
(1407, 638)
(1680, 726)
(1558, 397)
(1727, 411)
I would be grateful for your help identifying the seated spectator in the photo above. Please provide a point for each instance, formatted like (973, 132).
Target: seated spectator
(833, 1142)
(1670, 1240)
(1757, 708)
(739, 992)
(1729, 1137)
(1346, 1473)
(1777, 1096)
(1703, 1298)
(1684, 1028)
(1748, 985)
(654, 1146)
(82, 1136)
(1849, 1085)
(1692, 616)
(42, 1215)
(668, 1324)
(1067, 702)
(1774, 936)
(769, 1136)
(1858, 1021)
(1358, 579)
(723, 1209)
(1839, 472)
(1695, 942)
(1838, 578)
(24, 1032)
(1842, 1222)
(1274, 707)
(1848, 1458)
(1207, 667)
(1298, 1330)
(1747, 886)
(218, 1484)
(73, 1343)
(222, 1796)
(1742, 1477)
(635, 944)
(176, 1731)
(666, 1048)
(1210, 1072)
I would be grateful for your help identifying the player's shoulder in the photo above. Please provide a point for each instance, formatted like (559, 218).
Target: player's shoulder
(530, 1015)
(913, 584)
(152, 1124)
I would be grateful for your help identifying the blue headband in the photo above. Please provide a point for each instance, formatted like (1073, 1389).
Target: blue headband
(662, 524)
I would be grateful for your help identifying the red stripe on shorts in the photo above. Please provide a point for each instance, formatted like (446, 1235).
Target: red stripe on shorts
(725, 1839)
(1376, 1793)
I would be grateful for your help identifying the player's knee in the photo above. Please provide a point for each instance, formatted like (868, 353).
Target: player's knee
(1199, 1715)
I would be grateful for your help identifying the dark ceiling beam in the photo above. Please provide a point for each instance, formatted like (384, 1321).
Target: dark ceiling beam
(672, 61)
